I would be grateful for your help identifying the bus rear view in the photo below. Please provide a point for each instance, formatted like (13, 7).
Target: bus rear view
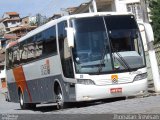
(109, 57)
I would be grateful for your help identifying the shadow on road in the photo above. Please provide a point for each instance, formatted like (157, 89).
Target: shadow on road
(53, 108)
(47, 108)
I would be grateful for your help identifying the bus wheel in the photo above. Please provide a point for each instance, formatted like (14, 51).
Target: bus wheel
(21, 101)
(60, 99)
(24, 105)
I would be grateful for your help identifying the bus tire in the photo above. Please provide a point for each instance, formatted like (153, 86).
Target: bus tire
(24, 105)
(21, 101)
(60, 98)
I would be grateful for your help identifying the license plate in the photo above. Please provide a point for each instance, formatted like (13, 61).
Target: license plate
(116, 90)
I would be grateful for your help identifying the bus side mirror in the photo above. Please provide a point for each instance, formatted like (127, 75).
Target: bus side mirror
(149, 32)
(70, 36)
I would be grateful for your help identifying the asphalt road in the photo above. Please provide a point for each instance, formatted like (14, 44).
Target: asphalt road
(111, 107)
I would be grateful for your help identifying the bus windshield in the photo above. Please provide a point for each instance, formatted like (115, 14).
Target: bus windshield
(107, 44)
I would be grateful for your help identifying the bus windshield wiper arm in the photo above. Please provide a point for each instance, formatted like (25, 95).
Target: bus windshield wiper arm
(123, 60)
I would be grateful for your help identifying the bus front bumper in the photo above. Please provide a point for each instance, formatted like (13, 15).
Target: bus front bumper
(94, 92)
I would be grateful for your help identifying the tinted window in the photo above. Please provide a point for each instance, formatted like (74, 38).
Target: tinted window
(23, 52)
(39, 45)
(65, 51)
(31, 49)
(9, 60)
(50, 45)
(120, 22)
(15, 53)
(36, 47)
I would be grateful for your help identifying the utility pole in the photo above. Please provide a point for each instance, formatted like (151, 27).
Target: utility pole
(151, 51)
(94, 5)
(144, 11)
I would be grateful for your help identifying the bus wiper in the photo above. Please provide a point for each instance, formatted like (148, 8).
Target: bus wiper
(123, 60)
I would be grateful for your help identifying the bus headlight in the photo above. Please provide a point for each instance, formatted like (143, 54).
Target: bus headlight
(85, 82)
(140, 77)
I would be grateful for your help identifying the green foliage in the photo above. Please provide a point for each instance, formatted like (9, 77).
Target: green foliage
(155, 12)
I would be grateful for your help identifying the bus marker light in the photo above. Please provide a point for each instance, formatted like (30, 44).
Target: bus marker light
(86, 97)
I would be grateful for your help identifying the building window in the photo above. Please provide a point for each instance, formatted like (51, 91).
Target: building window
(135, 8)
(13, 22)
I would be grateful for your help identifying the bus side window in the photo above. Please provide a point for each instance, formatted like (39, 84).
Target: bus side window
(16, 56)
(49, 42)
(38, 45)
(30, 49)
(38, 49)
(23, 52)
(66, 60)
(9, 59)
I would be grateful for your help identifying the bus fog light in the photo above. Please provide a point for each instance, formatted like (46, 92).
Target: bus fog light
(141, 92)
(85, 82)
(140, 77)
(86, 97)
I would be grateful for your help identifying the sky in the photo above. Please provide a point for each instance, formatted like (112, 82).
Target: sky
(32, 7)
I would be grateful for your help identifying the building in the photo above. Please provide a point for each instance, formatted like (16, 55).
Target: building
(26, 26)
(9, 21)
(133, 6)
(2, 43)
(28, 21)
(40, 20)
(12, 27)
(55, 16)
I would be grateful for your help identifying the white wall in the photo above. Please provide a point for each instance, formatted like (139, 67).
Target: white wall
(120, 6)
(32, 20)
(10, 24)
(2, 74)
(5, 16)
(2, 27)
(131, 1)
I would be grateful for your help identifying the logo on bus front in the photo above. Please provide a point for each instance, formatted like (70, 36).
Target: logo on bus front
(114, 79)
(45, 68)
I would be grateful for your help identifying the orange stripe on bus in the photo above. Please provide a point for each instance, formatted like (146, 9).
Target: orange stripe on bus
(21, 80)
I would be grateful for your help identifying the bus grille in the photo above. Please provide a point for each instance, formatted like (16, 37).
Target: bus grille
(111, 82)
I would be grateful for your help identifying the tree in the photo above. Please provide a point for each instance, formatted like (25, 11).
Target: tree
(155, 16)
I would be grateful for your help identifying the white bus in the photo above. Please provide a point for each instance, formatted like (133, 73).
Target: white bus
(81, 57)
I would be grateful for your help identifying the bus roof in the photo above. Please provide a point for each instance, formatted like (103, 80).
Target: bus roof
(53, 22)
